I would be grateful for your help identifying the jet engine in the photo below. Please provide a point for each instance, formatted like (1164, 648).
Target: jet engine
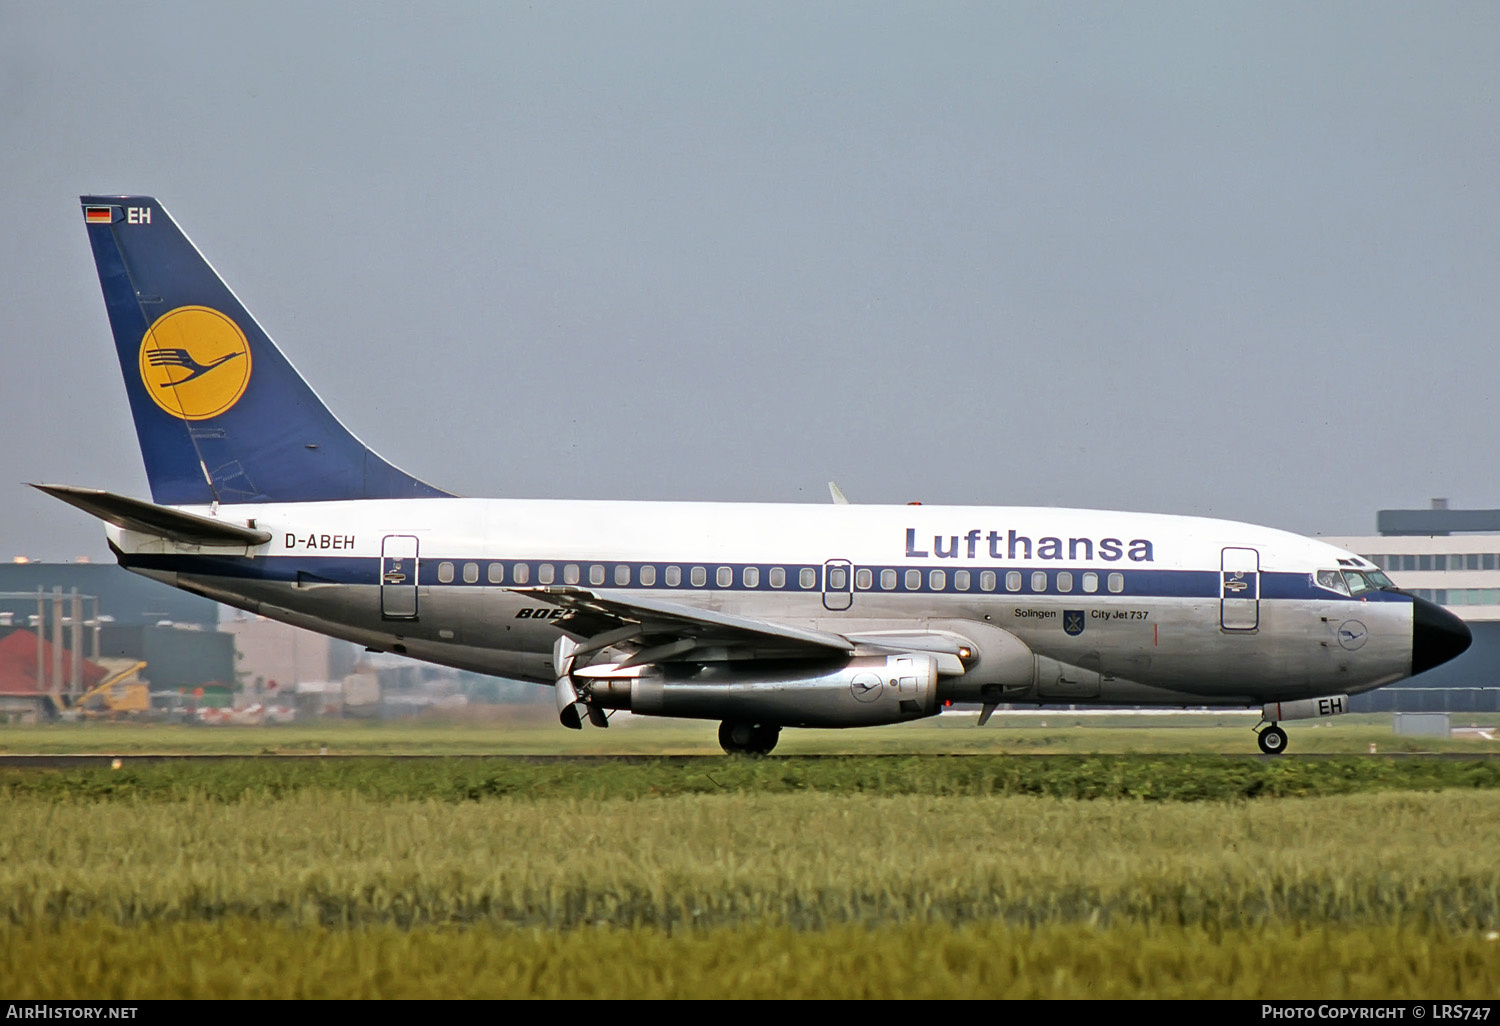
(862, 691)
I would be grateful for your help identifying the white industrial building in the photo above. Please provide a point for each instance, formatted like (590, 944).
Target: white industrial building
(1452, 557)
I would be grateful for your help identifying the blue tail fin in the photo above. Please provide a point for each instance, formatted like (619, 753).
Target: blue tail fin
(220, 413)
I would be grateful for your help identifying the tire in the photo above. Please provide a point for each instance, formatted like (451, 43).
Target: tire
(766, 736)
(1272, 740)
(737, 737)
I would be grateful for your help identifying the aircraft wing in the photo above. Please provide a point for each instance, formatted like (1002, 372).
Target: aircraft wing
(659, 631)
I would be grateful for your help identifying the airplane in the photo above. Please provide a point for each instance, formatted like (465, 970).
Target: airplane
(761, 616)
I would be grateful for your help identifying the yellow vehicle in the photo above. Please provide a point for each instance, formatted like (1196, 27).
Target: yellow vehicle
(116, 695)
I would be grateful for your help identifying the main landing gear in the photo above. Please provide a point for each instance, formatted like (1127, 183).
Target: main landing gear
(740, 738)
(1272, 740)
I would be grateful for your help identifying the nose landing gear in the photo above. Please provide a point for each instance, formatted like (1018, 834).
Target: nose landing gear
(1272, 740)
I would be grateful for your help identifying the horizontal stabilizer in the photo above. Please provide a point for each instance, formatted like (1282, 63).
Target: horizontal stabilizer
(149, 518)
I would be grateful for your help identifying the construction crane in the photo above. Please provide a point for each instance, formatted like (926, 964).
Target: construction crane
(116, 696)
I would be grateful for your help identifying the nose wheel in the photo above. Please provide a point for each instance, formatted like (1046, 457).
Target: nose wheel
(740, 738)
(1272, 740)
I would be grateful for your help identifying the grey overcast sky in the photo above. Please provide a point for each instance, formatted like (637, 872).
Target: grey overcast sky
(1228, 259)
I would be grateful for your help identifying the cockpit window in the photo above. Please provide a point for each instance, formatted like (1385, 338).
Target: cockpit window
(1380, 579)
(1358, 582)
(1333, 581)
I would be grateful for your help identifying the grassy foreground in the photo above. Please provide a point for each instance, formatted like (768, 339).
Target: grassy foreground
(808, 861)
(247, 959)
(912, 876)
(336, 894)
(1149, 778)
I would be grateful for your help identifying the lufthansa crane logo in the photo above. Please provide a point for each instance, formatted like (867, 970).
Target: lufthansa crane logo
(195, 362)
(1353, 634)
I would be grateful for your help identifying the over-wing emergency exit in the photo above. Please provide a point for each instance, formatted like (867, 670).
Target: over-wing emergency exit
(760, 616)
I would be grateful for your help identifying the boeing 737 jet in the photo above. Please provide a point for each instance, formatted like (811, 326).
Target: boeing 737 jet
(760, 616)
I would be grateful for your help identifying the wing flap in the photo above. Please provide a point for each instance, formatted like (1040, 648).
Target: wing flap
(148, 518)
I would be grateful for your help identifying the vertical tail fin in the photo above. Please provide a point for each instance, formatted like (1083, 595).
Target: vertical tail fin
(220, 413)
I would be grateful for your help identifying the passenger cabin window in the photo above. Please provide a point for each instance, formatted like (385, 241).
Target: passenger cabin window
(863, 578)
(807, 577)
(471, 573)
(521, 573)
(648, 577)
(838, 579)
(1039, 580)
(913, 580)
(1116, 583)
(961, 580)
(937, 580)
(445, 572)
(622, 576)
(1013, 580)
(725, 576)
(570, 573)
(544, 574)
(752, 577)
(888, 580)
(987, 581)
(495, 574)
(698, 576)
(778, 577)
(1091, 582)
(596, 574)
(1333, 581)
(673, 576)
(1064, 581)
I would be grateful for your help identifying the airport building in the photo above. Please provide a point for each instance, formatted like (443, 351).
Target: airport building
(66, 626)
(1452, 557)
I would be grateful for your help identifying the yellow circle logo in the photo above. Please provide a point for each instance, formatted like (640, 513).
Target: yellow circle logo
(195, 362)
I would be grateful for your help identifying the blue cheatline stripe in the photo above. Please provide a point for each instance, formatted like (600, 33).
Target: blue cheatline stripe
(1203, 584)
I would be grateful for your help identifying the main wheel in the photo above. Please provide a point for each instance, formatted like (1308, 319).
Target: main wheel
(1272, 740)
(766, 736)
(739, 737)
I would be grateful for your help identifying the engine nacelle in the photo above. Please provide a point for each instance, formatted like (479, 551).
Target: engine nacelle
(864, 691)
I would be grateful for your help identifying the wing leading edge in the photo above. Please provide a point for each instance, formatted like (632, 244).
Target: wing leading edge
(660, 631)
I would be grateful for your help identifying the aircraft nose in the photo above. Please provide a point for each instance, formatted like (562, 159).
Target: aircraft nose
(1436, 635)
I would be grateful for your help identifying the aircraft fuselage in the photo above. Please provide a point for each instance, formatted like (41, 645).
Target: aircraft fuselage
(1145, 607)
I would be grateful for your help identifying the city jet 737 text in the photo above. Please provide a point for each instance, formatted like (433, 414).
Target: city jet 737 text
(759, 616)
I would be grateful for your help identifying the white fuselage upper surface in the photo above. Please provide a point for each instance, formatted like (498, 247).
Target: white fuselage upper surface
(1153, 606)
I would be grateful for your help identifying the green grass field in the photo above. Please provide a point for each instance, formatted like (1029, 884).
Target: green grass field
(1164, 870)
(1174, 778)
(534, 731)
(804, 860)
(330, 893)
(243, 959)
